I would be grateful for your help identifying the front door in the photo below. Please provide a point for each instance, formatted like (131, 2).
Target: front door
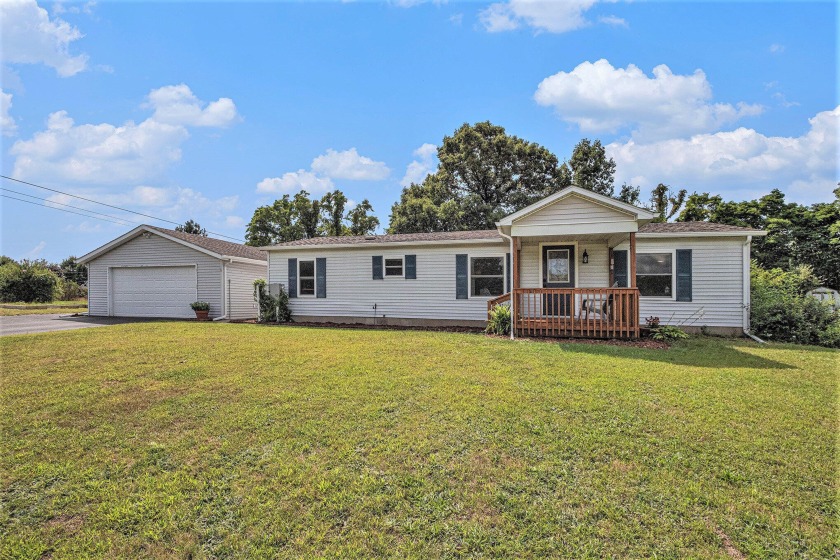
(558, 271)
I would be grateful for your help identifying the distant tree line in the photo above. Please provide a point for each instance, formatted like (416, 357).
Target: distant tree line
(484, 174)
(41, 281)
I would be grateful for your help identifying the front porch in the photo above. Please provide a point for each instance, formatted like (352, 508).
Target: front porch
(573, 267)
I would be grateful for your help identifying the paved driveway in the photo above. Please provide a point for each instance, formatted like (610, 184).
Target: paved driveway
(25, 324)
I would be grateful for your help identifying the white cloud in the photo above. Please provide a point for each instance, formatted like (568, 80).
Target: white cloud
(178, 105)
(553, 16)
(83, 227)
(29, 36)
(107, 154)
(7, 122)
(425, 162)
(776, 48)
(234, 221)
(98, 153)
(600, 98)
(349, 165)
(615, 21)
(36, 250)
(804, 165)
(294, 181)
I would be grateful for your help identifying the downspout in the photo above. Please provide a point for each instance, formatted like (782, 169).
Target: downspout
(745, 289)
(225, 292)
(512, 299)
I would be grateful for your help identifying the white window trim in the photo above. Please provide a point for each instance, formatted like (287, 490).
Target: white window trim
(673, 253)
(314, 278)
(470, 275)
(552, 244)
(385, 275)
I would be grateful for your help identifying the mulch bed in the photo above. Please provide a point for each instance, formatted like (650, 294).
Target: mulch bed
(646, 343)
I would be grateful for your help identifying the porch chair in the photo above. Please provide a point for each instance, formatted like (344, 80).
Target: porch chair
(588, 306)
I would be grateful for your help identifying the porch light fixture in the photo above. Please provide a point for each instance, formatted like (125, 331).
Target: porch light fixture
(585, 257)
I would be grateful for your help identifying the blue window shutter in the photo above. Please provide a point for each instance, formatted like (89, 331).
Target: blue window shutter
(683, 274)
(411, 267)
(507, 272)
(377, 268)
(321, 278)
(620, 268)
(462, 290)
(292, 278)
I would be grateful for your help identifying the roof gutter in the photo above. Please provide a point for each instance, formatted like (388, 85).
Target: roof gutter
(323, 246)
(745, 287)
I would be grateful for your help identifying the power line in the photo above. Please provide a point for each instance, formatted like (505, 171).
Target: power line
(61, 209)
(126, 222)
(108, 205)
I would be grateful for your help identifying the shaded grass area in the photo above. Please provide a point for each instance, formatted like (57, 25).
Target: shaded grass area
(223, 440)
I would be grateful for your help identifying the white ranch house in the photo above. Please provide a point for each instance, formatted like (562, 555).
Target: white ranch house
(573, 264)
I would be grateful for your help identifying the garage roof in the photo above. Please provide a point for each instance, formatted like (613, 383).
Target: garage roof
(209, 245)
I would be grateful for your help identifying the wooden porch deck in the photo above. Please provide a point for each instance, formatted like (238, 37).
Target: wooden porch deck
(574, 312)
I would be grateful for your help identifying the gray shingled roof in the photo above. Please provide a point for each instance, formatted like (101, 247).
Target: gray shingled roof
(690, 227)
(226, 248)
(488, 234)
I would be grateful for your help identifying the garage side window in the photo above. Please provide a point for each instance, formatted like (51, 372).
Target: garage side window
(306, 274)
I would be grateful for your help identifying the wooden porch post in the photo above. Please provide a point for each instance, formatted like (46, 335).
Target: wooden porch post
(632, 260)
(515, 276)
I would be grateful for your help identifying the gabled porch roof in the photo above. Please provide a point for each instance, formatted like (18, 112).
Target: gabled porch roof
(575, 210)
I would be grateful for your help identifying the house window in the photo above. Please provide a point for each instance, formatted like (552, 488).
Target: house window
(306, 273)
(487, 276)
(654, 274)
(393, 267)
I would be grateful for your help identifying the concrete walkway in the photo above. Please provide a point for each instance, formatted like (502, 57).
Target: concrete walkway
(25, 324)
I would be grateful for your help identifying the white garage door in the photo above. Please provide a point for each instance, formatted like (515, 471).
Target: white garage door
(155, 291)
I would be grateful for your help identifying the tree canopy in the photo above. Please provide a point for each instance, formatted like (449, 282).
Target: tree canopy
(301, 217)
(483, 174)
(796, 234)
(191, 226)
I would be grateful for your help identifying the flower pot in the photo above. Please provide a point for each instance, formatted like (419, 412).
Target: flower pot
(202, 315)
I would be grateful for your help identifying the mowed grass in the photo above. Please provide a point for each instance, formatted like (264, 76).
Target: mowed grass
(190, 440)
(63, 307)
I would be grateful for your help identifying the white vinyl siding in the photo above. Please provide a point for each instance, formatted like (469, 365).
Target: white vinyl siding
(240, 292)
(155, 251)
(574, 215)
(716, 284)
(351, 291)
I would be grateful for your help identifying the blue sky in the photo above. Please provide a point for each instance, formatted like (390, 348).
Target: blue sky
(208, 110)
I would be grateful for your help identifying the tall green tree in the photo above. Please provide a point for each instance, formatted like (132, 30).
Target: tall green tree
(591, 168)
(665, 203)
(193, 227)
(332, 207)
(308, 214)
(362, 221)
(630, 194)
(275, 223)
(483, 174)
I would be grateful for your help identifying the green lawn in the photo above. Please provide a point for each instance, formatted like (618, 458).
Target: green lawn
(63, 307)
(179, 440)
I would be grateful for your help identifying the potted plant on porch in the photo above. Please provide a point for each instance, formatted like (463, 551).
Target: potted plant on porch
(202, 310)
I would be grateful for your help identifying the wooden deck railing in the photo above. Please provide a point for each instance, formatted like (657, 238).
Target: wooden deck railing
(577, 312)
(491, 303)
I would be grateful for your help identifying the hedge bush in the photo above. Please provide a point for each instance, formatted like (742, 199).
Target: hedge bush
(781, 311)
(272, 309)
(28, 282)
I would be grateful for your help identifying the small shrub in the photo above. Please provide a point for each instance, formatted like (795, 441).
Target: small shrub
(668, 333)
(28, 282)
(69, 290)
(500, 320)
(200, 306)
(781, 310)
(272, 309)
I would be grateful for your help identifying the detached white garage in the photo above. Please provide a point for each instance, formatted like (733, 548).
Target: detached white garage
(157, 272)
